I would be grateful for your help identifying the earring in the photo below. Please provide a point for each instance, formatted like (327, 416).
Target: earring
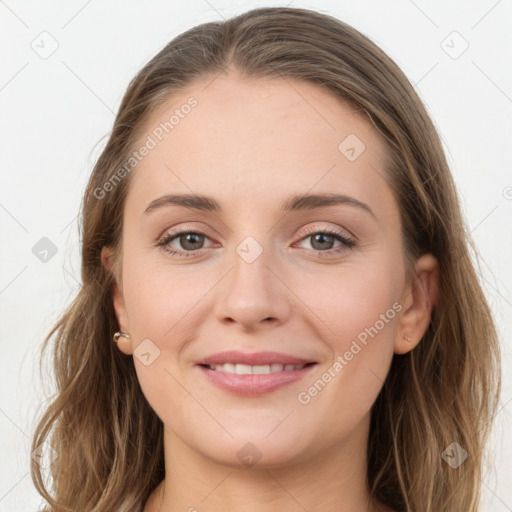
(408, 338)
(118, 335)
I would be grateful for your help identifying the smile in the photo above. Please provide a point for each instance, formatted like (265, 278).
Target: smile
(245, 369)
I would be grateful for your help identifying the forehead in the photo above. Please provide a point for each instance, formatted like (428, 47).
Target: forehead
(240, 138)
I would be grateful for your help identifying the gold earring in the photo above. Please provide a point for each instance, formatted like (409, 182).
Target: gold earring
(408, 338)
(118, 335)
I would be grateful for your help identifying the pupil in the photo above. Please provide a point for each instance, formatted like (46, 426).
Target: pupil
(190, 238)
(322, 238)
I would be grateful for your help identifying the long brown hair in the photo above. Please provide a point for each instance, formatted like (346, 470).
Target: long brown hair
(109, 441)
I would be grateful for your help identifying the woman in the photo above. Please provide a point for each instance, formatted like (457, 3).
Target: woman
(217, 357)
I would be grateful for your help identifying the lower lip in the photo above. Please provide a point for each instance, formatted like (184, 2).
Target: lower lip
(252, 384)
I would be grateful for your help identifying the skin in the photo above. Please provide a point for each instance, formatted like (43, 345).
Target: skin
(250, 144)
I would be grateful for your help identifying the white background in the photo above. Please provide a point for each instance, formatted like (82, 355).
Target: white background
(56, 112)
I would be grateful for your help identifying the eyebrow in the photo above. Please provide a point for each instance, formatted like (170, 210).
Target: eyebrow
(294, 203)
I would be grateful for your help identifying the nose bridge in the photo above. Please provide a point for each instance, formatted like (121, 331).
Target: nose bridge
(250, 272)
(253, 293)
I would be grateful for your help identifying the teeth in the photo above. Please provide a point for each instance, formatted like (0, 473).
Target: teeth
(245, 369)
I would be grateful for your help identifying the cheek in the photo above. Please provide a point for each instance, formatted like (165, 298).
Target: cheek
(351, 299)
(159, 299)
(357, 310)
(161, 308)
(345, 389)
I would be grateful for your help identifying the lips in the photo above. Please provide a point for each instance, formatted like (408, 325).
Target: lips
(253, 374)
(253, 359)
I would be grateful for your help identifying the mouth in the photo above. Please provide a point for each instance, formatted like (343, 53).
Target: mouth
(253, 374)
(246, 369)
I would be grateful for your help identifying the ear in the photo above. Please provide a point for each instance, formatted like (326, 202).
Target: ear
(124, 344)
(420, 296)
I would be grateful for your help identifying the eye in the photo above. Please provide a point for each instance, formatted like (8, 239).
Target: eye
(190, 241)
(323, 240)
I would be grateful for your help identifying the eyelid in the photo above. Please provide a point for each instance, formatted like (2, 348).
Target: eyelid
(337, 230)
(180, 228)
(304, 231)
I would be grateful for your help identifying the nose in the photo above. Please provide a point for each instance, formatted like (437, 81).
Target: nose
(253, 294)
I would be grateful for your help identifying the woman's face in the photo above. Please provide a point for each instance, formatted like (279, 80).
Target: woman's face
(267, 276)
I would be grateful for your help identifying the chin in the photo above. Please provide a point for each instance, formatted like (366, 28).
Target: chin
(253, 450)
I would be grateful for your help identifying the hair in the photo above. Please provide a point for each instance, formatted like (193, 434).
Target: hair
(107, 438)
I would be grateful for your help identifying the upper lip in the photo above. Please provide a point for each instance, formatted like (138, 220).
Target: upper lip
(252, 359)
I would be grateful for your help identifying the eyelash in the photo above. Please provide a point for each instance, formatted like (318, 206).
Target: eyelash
(347, 243)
